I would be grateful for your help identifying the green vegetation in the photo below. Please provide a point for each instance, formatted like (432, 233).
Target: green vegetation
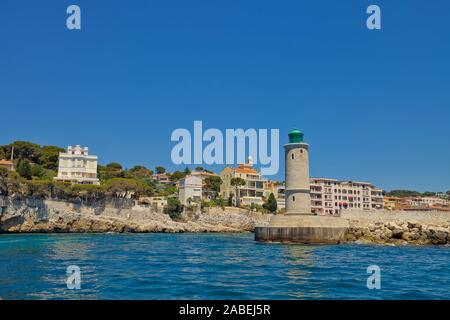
(160, 170)
(217, 202)
(32, 160)
(237, 183)
(173, 209)
(271, 204)
(36, 166)
(409, 193)
(212, 185)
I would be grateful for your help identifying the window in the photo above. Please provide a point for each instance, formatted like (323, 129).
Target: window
(293, 198)
(292, 156)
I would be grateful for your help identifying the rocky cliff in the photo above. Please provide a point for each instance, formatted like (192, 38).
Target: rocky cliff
(37, 215)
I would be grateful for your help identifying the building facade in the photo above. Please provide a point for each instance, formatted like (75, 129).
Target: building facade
(77, 166)
(251, 192)
(7, 164)
(207, 192)
(190, 189)
(330, 196)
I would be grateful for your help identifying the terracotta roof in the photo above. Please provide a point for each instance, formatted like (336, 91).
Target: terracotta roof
(197, 173)
(6, 162)
(245, 170)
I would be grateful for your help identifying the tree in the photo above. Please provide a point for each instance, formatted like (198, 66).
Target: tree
(403, 193)
(37, 171)
(199, 169)
(230, 200)
(187, 171)
(173, 208)
(114, 165)
(212, 185)
(110, 171)
(127, 188)
(139, 172)
(177, 175)
(271, 204)
(160, 170)
(237, 183)
(24, 169)
(49, 157)
(3, 181)
(169, 189)
(24, 150)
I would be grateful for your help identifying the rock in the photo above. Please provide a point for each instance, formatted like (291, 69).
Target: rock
(397, 234)
(392, 226)
(414, 224)
(387, 233)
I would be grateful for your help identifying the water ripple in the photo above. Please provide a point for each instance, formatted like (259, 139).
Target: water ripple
(214, 266)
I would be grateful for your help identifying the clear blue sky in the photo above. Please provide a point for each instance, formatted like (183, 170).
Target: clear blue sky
(374, 105)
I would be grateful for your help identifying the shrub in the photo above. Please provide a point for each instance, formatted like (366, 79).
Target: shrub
(173, 209)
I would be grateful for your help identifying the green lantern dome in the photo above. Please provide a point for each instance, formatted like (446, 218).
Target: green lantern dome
(295, 136)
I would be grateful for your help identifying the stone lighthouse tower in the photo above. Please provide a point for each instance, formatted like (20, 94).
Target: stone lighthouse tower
(299, 224)
(298, 200)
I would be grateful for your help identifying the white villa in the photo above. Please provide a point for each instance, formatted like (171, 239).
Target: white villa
(190, 189)
(77, 166)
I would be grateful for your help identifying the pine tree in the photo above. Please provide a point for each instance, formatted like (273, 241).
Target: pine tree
(271, 204)
(24, 169)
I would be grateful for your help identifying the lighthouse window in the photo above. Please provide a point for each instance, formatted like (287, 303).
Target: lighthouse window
(301, 151)
(292, 156)
(293, 198)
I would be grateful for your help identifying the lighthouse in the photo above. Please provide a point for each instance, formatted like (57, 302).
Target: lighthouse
(298, 224)
(297, 195)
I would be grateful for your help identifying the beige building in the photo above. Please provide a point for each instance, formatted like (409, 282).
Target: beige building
(330, 196)
(251, 192)
(157, 203)
(162, 178)
(77, 166)
(278, 191)
(190, 189)
(206, 192)
(7, 164)
(426, 202)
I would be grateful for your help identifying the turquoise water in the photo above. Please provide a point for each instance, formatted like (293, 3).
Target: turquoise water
(214, 266)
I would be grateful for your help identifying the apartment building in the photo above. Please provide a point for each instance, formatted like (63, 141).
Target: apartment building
(426, 202)
(330, 196)
(77, 166)
(251, 192)
(162, 178)
(207, 193)
(190, 189)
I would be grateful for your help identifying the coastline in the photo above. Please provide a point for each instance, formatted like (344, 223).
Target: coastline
(50, 216)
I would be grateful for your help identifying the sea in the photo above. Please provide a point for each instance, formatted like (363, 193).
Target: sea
(214, 267)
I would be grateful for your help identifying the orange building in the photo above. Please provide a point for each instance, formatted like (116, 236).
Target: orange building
(9, 165)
